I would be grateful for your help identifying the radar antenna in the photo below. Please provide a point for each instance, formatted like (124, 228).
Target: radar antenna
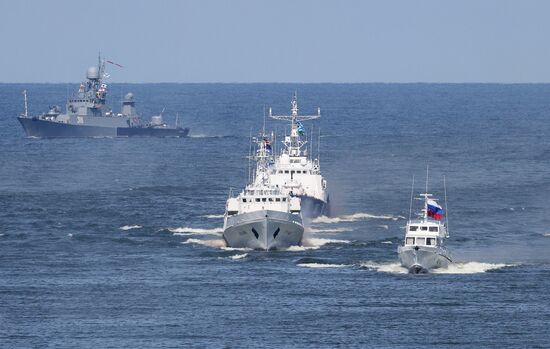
(293, 143)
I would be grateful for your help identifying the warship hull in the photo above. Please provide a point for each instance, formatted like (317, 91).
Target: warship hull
(420, 259)
(104, 127)
(313, 207)
(151, 132)
(35, 127)
(263, 230)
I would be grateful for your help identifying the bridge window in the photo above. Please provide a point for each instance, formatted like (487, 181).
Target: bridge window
(264, 199)
(430, 241)
(410, 241)
(284, 199)
(244, 199)
(257, 199)
(278, 199)
(421, 241)
(271, 199)
(424, 228)
(286, 171)
(434, 229)
(413, 228)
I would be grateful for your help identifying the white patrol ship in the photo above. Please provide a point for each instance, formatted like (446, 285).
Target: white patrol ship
(423, 248)
(295, 172)
(263, 216)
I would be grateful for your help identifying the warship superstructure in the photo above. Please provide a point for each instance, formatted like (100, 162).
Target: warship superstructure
(295, 171)
(423, 248)
(263, 216)
(86, 115)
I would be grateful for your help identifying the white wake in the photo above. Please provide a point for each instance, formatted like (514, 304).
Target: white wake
(185, 231)
(327, 230)
(453, 268)
(217, 243)
(470, 268)
(352, 218)
(129, 227)
(321, 265)
(213, 216)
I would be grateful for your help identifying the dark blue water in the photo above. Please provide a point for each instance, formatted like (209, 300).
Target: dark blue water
(115, 242)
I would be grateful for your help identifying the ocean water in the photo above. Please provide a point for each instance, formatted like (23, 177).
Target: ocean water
(110, 243)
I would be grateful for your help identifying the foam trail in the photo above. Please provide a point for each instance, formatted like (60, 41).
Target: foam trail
(390, 267)
(352, 218)
(321, 265)
(129, 227)
(547, 234)
(196, 231)
(387, 242)
(213, 216)
(470, 268)
(318, 242)
(238, 256)
(225, 248)
(453, 268)
(302, 248)
(202, 135)
(218, 243)
(328, 230)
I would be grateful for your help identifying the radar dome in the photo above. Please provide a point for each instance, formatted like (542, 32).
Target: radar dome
(129, 97)
(92, 73)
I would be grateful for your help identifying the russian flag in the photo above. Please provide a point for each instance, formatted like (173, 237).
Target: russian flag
(267, 144)
(434, 210)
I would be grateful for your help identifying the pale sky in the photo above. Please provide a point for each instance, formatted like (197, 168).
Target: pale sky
(278, 40)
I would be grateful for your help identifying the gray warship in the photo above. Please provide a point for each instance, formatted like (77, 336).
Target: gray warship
(87, 115)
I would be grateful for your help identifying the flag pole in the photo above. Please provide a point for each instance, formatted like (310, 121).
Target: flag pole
(446, 209)
(412, 193)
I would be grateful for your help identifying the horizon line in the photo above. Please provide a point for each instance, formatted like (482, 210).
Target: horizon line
(297, 82)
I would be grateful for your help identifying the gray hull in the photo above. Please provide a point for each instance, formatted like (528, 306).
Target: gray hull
(94, 127)
(152, 132)
(313, 207)
(263, 230)
(35, 127)
(422, 259)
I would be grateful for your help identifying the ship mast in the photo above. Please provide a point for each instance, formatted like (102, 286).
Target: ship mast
(293, 143)
(262, 158)
(26, 106)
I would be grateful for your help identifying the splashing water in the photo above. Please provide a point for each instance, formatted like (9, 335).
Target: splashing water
(352, 218)
(238, 256)
(392, 267)
(213, 216)
(217, 243)
(318, 242)
(321, 265)
(129, 227)
(453, 268)
(328, 230)
(470, 268)
(196, 231)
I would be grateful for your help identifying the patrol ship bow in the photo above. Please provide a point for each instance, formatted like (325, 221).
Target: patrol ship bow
(262, 216)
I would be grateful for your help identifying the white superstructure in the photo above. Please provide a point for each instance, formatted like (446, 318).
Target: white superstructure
(294, 171)
(423, 247)
(263, 216)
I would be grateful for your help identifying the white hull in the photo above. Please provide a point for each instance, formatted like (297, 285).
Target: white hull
(422, 259)
(263, 230)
